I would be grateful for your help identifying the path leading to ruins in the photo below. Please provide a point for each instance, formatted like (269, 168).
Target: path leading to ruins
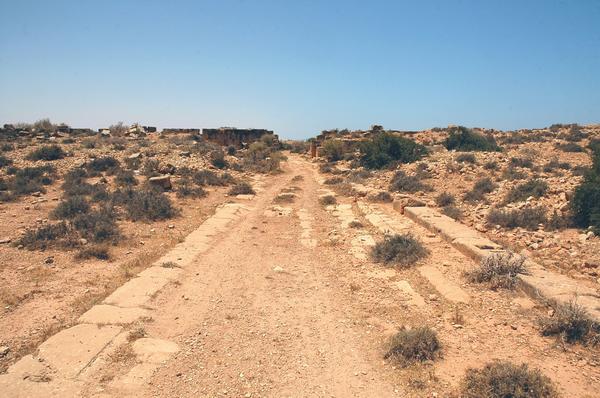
(276, 298)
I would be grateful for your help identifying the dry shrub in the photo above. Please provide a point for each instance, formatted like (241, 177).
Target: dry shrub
(98, 252)
(445, 199)
(71, 207)
(572, 323)
(284, 197)
(333, 181)
(47, 152)
(452, 212)
(147, 204)
(382, 197)
(533, 188)
(187, 189)
(414, 345)
(499, 270)
(507, 380)
(242, 188)
(402, 182)
(399, 249)
(60, 234)
(527, 217)
(327, 200)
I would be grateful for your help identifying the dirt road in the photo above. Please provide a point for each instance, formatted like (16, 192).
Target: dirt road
(285, 303)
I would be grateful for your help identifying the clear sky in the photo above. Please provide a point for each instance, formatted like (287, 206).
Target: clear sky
(299, 67)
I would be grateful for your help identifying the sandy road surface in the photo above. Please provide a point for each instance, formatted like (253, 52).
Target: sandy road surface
(286, 303)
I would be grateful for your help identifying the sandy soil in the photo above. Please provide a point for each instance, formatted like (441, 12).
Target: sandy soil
(262, 315)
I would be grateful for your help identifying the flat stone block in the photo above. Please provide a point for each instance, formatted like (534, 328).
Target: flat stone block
(72, 350)
(111, 315)
(446, 287)
(136, 292)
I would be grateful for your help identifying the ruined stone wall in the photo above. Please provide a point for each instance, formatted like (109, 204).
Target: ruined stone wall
(180, 131)
(233, 137)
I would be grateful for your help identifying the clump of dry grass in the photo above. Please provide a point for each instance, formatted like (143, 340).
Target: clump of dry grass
(242, 188)
(327, 200)
(100, 252)
(284, 197)
(399, 249)
(572, 323)
(414, 345)
(499, 270)
(504, 379)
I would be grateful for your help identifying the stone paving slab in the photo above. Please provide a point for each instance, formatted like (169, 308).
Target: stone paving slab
(540, 283)
(450, 290)
(110, 315)
(70, 351)
(161, 272)
(137, 292)
(414, 298)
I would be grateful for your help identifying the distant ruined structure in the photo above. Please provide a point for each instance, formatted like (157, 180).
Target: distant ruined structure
(228, 136)
(180, 131)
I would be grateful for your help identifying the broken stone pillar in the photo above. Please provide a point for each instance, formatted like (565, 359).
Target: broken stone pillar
(313, 150)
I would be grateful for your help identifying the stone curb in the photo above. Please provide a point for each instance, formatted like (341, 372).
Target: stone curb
(539, 284)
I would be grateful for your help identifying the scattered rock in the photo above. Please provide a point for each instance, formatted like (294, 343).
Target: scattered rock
(163, 182)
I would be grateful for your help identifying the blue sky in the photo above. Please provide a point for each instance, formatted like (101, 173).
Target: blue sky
(299, 67)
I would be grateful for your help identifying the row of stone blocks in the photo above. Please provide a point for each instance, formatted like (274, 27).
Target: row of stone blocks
(64, 362)
(539, 283)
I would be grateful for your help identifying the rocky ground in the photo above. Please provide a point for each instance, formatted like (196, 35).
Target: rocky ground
(528, 154)
(277, 294)
(42, 291)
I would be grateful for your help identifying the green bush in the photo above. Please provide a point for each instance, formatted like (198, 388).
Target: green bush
(466, 140)
(533, 188)
(386, 149)
(506, 380)
(332, 150)
(585, 203)
(403, 250)
(47, 152)
(414, 345)
(402, 182)
(528, 218)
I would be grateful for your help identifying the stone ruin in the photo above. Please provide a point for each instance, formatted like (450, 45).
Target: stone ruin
(238, 138)
(180, 131)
